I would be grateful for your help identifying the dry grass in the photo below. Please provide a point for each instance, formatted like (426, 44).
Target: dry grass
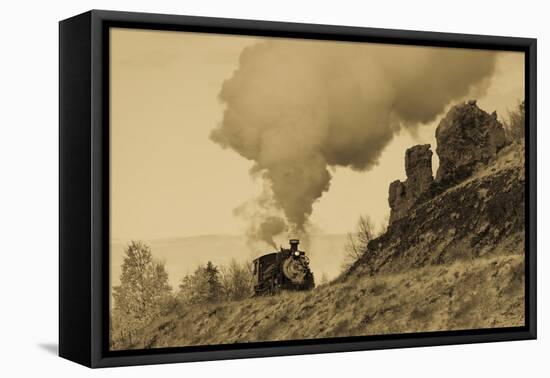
(473, 288)
(481, 293)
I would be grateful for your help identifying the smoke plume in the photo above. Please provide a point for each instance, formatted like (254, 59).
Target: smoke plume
(267, 228)
(266, 221)
(296, 108)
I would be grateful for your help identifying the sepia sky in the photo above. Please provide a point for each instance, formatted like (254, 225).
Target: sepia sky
(169, 179)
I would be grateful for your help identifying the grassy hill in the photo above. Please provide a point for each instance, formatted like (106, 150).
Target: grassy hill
(450, 297)
(456, 262)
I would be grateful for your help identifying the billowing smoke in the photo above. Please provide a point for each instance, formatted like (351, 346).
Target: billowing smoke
(267, 228)
(266, 221)
(296, 108)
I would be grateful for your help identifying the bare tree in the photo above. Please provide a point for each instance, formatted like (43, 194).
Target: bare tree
(515, 124)
(365, 231)
(357, 241)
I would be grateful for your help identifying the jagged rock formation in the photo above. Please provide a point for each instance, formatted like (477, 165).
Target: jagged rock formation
(418, 167)
(466, 137)
(475, 206)
(482, 216)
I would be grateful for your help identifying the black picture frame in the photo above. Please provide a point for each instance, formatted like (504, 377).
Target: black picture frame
(84, 187)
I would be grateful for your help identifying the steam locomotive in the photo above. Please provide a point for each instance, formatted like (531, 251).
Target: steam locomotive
(287, 269)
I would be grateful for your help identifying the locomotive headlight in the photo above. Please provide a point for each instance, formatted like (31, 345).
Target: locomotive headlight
(296, 253)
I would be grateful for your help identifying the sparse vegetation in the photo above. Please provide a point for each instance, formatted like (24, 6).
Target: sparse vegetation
(515, 124)
(488, 292)
(358, 240)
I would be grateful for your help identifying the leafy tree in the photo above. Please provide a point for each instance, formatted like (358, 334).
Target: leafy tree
(143, 292)
(203, 286)
(237, 281)
(214, 289)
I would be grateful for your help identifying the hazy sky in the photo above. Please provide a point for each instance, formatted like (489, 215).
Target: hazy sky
(169, 179)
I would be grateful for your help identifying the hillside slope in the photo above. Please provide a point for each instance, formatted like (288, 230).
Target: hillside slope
(477, 294)
(454, 262)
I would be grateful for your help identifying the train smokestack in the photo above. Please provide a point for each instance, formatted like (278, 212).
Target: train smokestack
(294, 244)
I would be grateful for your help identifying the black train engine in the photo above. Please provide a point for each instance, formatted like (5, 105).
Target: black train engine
(287, 269)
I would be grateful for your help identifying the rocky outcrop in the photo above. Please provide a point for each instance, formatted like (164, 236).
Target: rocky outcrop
(482, 216)
(467, 137)
(459, 214)
(418, 167)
